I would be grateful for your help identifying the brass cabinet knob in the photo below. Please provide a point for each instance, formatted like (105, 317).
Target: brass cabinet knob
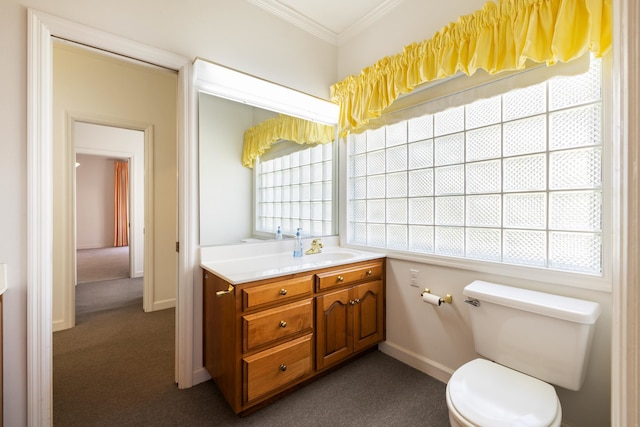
(283, 367)
(340, 279)
(283, 291)
(369, 272)
(354, 301)
(283, 324)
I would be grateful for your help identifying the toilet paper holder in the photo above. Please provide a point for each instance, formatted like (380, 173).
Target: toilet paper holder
(446, 299)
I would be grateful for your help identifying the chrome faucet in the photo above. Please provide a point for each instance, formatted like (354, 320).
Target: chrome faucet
(316, 247)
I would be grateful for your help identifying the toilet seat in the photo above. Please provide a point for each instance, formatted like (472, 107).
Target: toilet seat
(484, 393)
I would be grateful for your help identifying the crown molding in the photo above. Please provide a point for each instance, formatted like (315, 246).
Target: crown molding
(367, 20)
(318, 30)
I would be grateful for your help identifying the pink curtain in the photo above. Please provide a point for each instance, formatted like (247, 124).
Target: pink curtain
(121, 199)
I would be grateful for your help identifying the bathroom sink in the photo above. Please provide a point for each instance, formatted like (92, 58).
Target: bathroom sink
(241, 270)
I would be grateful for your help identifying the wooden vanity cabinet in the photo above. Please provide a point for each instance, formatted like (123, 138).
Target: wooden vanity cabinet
(350, 319)
(261, 339)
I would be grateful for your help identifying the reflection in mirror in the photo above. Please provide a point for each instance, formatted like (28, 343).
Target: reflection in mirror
(293, 169)
(292, 184)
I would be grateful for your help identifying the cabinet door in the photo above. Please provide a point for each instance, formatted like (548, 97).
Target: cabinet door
(334, 341)
(219, 337)
(368, 314)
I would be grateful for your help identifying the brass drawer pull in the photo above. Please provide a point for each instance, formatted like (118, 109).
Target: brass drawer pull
(283, 324)
(283, 291)
(340, 279)
(221, 293)
(369, 272)
(283, 367)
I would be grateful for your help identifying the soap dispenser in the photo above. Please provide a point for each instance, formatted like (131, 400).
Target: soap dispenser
(297, 245)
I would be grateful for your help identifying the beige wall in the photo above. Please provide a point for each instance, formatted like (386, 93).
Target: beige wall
(410, 21)
(94, 202)
(113, 91)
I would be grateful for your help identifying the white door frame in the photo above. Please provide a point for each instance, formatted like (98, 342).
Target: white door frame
(625, 349)
(41, 28)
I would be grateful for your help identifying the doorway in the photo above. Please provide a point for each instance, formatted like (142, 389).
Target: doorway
(97, 147)
(103, 255)
(42, 28)
(99, 220)
(100, 102)
(105, 97)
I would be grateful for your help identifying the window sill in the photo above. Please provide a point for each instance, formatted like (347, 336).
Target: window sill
(564, 278)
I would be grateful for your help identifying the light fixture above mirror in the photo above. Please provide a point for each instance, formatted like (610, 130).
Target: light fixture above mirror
(227, 83)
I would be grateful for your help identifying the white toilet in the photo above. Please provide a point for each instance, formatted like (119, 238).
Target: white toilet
(531, 339)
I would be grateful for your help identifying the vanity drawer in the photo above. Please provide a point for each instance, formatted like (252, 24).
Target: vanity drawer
(276, 292)
(353, 274)
(274, 368)
(269, 326)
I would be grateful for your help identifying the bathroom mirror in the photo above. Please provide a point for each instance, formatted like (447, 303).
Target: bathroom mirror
(232, 196)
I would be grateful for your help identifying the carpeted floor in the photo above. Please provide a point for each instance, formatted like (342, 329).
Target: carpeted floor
(116, 368)
(97, 265)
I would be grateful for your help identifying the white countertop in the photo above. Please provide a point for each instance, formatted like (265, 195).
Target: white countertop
(243, 269)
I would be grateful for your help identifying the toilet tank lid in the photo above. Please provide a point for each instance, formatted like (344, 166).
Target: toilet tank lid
(566, 308)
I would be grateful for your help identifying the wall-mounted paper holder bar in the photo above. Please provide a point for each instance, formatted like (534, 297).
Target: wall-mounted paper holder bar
(448, 299)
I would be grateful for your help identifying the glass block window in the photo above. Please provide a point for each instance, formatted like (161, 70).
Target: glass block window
(296, 190)
(515, 178)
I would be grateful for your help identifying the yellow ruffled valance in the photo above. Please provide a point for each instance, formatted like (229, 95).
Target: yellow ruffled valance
(499, 37)
(258, 139)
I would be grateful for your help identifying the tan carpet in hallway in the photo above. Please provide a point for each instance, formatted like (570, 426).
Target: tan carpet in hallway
(96, 265)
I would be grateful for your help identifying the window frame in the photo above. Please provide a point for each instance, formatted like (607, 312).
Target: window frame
(610, 188)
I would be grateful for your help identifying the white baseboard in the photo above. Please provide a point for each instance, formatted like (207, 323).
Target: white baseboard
(102, 245)
(59, 325)
(416, 361)
(162, 305)
(200, 375)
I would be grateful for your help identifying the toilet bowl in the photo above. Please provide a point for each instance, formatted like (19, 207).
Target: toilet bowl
(483, 393)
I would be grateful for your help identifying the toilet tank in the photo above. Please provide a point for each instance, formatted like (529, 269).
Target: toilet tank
(543, 335)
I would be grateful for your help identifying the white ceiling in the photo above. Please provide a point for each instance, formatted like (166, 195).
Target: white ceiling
(334, 21)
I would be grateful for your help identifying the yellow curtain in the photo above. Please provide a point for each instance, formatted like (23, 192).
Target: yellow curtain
(258, 139)
(499, 37)
(121, 202)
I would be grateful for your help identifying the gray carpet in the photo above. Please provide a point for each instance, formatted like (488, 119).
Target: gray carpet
(116, 369)
(100, 264)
